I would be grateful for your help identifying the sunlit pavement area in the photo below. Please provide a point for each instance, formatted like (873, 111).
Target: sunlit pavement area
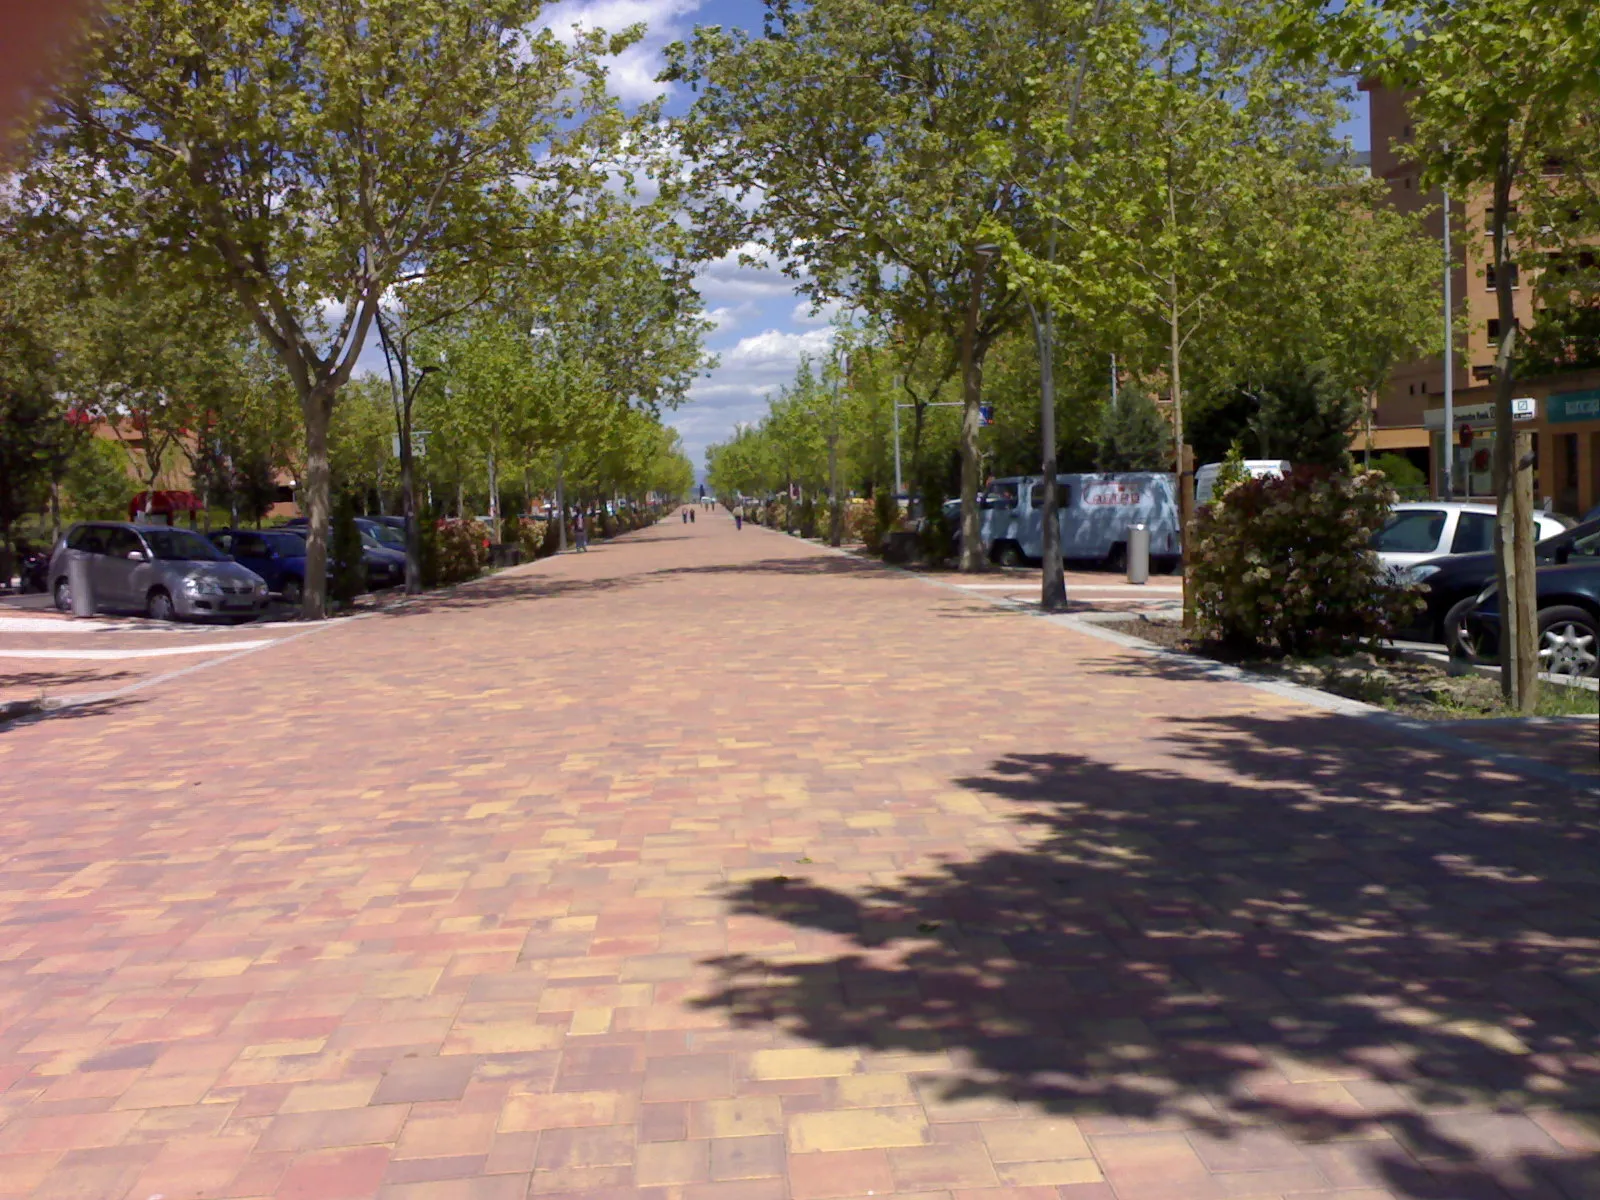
(716, 864)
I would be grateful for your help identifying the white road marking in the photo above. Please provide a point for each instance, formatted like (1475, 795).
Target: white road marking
(155, 652)
(50, 625)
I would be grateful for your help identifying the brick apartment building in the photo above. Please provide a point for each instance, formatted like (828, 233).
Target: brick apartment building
(1408, 416)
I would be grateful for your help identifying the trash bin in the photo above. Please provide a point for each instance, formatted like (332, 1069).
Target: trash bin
(1139, 554)
(82, 588)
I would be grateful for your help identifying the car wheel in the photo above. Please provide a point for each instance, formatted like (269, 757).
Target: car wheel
(63, 596)
(1569, 642)
(1464, 640)
(159, 606)
(292, 593)
(1008, 555)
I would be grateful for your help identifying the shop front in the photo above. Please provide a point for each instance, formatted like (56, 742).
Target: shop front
(1562, 413)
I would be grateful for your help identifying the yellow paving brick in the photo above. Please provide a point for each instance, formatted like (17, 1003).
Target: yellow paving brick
(802, 1063)
(857, 1129)
(1034, 1140)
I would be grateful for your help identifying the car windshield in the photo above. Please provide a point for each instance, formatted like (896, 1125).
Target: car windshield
(389, 536)
(181, 545)
(1415, 531)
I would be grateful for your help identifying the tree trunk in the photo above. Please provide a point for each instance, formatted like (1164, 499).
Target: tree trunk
(1185, 469)
(836, 507)
(1053, 590)
(494, 498)
(317, 408)
(55, 511)
(1519, 650)
(561, 503)
(971, 395)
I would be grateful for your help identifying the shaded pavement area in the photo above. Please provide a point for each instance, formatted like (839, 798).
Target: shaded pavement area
(712, 864)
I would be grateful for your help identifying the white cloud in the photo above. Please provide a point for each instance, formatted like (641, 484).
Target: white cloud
(633, 72)
(803, 315)
(729, 279)
(773, 348)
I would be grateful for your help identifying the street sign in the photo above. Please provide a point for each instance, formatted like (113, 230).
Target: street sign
(1523, 408)
(985, 414)
(419, 443)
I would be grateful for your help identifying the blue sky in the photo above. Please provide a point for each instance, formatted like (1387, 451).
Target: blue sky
(763, 328)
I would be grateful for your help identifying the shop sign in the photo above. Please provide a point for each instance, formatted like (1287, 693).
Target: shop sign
(1573, 406)
(1460, 414)
(1524, 408)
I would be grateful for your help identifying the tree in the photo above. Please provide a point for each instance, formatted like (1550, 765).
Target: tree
(307, 156)
(861, 131)
(1498, 90)
(1134, 435)
(37, 440)
(1307, 417)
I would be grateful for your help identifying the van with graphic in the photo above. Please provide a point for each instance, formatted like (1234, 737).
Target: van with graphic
(1096, 511)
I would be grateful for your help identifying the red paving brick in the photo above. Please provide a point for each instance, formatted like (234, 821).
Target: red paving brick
(713, 864)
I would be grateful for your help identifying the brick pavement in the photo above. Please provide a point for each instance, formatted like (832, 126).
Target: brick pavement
(715, 865)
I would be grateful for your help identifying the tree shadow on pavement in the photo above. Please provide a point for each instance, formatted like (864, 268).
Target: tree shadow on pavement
(1373, 957)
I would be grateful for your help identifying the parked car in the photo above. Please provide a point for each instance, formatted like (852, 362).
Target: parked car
(1425, 529)
(277, 555)
(1567, 594)
(386, 565)
(1451, 583)
(1205, 479)
(163, 572)
(1095, 513)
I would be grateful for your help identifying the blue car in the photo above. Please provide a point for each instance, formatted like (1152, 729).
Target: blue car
(386, 565)
(277, 555)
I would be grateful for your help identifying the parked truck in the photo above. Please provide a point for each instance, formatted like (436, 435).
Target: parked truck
(1096, 511)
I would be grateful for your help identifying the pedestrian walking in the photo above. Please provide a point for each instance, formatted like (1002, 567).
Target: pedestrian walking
(738, 516)
(691, 516)
(581, 528)
(684, 516)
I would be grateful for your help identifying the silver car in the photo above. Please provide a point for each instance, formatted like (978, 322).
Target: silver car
(162, 572)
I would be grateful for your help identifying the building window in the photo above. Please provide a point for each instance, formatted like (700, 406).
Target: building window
(1482, 373)
(1489, 276)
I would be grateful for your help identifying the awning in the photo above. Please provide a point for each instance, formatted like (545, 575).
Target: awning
(1402, 437)
(165, 502)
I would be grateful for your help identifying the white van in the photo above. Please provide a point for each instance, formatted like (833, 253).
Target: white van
(1205, 479)
(1096, 512)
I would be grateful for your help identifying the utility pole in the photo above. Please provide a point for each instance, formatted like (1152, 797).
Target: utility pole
(894, 407)
(1449, 365)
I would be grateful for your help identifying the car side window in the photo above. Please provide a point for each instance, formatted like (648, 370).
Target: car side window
(1474, 534)
(1063, 494)
(122, 542)
(91, 539)
(1414, 531)
(250, 545)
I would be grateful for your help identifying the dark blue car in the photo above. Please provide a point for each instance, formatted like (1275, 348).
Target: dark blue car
(1567, 593)
(277, 555)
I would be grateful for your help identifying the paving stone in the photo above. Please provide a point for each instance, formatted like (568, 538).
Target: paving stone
(716, 866)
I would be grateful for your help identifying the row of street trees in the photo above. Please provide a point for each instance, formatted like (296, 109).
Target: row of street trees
(1083, 178)
(1155, 179)
(256, 191)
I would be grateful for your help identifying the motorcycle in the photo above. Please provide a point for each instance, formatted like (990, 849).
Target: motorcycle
(35, 571)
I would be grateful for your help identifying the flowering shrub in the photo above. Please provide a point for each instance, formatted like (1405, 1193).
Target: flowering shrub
(1284, 566)
(859, 521)
(463, 550)
(527, 533)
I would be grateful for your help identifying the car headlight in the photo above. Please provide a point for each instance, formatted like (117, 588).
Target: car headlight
(1424, 571)
(201, 587)
(261, 587)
